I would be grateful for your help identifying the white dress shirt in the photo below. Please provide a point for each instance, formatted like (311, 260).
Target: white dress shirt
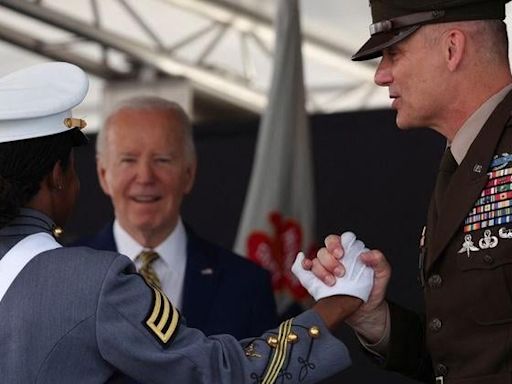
(169, 267)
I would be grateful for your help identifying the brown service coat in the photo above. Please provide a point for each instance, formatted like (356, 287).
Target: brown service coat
(466, 335)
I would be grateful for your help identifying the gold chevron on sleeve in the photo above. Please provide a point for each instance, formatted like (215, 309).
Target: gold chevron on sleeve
(163, 319)
(279, 355)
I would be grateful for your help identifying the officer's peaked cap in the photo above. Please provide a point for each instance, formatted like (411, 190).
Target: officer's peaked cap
(37, 101)
(394, 20)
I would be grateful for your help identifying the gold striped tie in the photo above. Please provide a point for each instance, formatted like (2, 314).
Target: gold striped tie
(146, 269)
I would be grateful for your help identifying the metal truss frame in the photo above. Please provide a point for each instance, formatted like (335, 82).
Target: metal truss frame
(123, 57)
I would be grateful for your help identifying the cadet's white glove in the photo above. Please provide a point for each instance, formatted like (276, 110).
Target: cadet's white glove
(358, 278)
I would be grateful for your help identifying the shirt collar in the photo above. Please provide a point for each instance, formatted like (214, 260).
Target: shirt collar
(474, 124)
(172, 250)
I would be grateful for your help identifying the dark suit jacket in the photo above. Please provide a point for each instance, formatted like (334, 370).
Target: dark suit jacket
(236, 298)
(467, 269)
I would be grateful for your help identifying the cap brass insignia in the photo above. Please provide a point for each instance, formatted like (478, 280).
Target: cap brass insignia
(163, 319)
(71, 122)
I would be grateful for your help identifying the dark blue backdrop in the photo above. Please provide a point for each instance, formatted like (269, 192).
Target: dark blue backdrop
(370, 177)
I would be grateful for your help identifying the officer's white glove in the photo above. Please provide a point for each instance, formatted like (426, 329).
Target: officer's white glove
(358, 278)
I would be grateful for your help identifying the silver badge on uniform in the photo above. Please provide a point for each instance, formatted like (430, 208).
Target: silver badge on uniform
(468, 246)
(488, 241)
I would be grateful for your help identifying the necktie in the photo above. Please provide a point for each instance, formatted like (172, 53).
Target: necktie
(146, 270)
(447, 167)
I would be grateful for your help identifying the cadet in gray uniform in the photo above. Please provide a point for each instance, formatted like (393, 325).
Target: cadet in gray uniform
(76, 315)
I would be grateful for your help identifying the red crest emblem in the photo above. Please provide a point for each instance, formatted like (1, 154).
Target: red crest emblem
(277, 252)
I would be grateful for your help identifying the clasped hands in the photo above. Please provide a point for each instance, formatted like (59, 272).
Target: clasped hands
(349, 283)
(357, 281)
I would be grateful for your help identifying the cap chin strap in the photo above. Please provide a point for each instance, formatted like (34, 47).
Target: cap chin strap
(405, 21)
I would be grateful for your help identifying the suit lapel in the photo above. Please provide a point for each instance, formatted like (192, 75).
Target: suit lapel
(468, 181)
(201, 280)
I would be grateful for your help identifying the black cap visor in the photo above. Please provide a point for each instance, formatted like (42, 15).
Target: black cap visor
(375, 44)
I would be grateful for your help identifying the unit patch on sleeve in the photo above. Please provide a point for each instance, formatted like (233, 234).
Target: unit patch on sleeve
(163, 318)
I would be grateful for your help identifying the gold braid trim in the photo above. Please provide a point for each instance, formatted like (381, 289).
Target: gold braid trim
(279, 355)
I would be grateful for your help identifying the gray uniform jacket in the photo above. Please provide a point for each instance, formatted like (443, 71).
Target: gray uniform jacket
(77, 315)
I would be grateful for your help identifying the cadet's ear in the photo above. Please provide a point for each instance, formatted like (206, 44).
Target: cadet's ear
(55, 180)
(454, 43)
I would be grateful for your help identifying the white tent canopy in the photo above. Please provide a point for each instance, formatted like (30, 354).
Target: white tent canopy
(223, 48)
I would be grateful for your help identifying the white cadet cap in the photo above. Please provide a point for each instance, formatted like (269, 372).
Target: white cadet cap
(37, 101)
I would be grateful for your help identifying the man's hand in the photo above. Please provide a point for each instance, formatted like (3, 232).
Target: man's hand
(370, 319)
(327, 265)
(357, 281)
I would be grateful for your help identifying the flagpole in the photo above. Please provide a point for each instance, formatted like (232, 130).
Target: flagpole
(278, 215)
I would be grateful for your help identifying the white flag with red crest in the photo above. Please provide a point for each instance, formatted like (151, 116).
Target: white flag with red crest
(278, 215)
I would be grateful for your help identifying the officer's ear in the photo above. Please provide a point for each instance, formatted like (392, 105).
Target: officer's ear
(454, 45)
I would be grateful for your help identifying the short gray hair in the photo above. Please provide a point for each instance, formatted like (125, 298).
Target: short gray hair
(150, 103)
(489, 35)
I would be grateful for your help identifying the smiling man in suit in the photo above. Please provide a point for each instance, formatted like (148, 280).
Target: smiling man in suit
(146, 164)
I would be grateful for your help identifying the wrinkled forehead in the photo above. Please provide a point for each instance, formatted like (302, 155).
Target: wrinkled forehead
(140, 128)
